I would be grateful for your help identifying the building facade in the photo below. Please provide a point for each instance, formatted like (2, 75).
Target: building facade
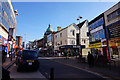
(65, 40)
(112, 23)
(19, 41)
(98, 37)
(7, 20)
(40, 43)
(84, 39)
(50, 43)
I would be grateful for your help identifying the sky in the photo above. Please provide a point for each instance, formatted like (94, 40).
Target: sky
(35, 17)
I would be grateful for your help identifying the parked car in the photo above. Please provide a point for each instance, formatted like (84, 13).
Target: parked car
(27, 60)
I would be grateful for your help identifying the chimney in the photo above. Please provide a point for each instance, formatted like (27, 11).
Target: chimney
(58, 28)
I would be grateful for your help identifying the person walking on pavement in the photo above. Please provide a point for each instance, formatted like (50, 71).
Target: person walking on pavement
(90, 59)
(3, 55)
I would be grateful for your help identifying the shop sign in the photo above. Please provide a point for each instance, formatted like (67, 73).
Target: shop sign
(114, 42)
(96, 45)
(5, 42)
(97, 29)
(103, 42)
(70, 46)
(0, 40)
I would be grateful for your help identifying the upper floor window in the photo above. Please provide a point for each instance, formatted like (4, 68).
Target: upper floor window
(113, 15)
(73, 32)
(61, 42)
(55, 36)
(60, 34)
(56, 43)
(96, 24)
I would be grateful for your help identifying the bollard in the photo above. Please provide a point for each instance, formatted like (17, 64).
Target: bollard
(52, 74)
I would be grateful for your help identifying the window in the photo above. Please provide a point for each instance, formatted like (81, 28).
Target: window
(55, 36)
(56, 43)
(84, 41)
(61, 42)
(113, 15)
(60, 34)
(65, 41)
(73, 33)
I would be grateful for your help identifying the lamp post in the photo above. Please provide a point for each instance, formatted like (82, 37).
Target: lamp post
(80, 51)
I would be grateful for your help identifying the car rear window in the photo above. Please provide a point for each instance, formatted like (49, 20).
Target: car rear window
(30, 54)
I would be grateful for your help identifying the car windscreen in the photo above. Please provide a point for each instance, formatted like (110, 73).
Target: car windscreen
(29, 54)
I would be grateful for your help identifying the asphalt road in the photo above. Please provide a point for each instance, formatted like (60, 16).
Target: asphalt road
(62, 71)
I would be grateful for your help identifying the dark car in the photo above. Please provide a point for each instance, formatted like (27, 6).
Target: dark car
(27, 60)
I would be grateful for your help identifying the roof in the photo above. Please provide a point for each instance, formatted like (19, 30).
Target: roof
(64, 28)
(81, 24)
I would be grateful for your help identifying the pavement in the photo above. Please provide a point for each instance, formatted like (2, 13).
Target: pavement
(14, 75)
(8, 63)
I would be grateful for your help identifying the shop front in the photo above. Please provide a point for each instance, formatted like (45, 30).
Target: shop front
(72, 50)
(114, 45)
(96, 48)
(3, 44)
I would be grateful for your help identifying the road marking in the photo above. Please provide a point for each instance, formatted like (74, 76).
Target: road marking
(105, 77)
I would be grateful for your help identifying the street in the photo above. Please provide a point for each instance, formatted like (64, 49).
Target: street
(62, 71)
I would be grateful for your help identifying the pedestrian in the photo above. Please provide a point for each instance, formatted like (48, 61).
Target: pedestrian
(9, 53)
(90, 59)
(3, 55)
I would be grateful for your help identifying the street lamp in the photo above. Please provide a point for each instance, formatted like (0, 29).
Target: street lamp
(80, 51)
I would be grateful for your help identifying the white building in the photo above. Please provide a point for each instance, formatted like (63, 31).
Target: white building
(84, 39)
(65, 36)
(67, 39)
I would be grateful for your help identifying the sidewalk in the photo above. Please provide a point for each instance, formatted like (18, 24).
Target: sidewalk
(8, 63)
(112, 73)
